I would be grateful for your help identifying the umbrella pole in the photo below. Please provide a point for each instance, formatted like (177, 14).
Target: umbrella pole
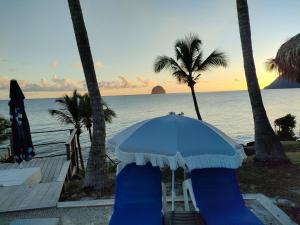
(173, 189)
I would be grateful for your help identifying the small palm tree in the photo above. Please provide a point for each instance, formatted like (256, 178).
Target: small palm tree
(77, 110)
(69, 113)
(86, 113)
(189, 63)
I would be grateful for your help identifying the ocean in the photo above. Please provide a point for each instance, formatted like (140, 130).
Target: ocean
(228, 111)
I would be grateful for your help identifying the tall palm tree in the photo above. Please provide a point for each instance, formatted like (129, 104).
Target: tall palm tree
(96, 175)
(69, 113)
(86, 113)
(189, 64)
(267, 145)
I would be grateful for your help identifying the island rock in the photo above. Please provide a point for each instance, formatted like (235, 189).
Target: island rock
(158, 90)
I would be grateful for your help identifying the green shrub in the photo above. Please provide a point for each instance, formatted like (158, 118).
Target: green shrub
(284, 127)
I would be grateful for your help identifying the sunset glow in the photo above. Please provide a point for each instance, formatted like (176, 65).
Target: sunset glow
(46, 62)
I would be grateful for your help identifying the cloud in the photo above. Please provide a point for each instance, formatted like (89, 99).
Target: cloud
(123, 82)
(54, 64)
(4, 82)
(145, 82)
(77, 66)
(97, 65)
(55, 84)
(64, 84)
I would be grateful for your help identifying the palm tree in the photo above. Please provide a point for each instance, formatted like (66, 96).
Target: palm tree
(189, 64)
(70, 114)
(267, 145)
(96, 175)
(77, 110)
(4, 124)
(86, 113)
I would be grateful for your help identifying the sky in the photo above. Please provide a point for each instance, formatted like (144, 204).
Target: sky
(38, 46)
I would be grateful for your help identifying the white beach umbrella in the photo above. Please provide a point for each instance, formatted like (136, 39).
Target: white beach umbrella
(176, 141)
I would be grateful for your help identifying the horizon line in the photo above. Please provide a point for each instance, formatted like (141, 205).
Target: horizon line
(202, 92)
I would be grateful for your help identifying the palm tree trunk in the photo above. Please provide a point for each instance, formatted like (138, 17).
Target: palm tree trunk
(96, 172)
(195, 102)
(79, 151)
(267, 145)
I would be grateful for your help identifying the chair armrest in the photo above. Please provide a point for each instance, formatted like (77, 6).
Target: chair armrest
(188, 188)
(164, 196)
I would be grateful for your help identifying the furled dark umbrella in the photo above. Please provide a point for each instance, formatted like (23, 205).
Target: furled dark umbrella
(21, 137)
(287, 60)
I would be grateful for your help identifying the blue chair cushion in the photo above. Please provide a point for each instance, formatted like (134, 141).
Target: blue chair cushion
(219, 199)
(138, 197)
(137, 214)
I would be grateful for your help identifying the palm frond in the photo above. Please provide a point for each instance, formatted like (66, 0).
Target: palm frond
(109, 114)
(271, 65)
(162, 62)
(86, 111)
(181, 76)
(195, 44)
(72, 103)
(196, 77)
(197, 61)
(182, 51)
(216, 58)
(187, 49)
(165, 62)
(62, 115)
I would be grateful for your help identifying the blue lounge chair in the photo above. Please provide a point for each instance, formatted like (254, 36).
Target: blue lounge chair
(218, 198)
(138, 198)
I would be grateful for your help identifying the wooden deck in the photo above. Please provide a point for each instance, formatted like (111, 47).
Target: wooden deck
(43, 195)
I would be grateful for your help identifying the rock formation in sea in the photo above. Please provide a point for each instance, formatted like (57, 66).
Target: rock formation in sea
(158, 90)
(281, 82)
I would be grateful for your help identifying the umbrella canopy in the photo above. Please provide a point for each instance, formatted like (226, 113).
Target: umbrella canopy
(21, 137)
(287, 60)
(176, 141)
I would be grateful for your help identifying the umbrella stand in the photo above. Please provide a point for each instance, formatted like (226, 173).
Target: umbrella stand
(173, 189)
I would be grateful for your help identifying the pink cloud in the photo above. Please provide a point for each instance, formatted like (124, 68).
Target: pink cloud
(97, 65)
(64, 84)
(4, 82)
(123, 82)
(54, 64)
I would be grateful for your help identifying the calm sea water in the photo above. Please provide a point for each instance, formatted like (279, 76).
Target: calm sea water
(229, 111)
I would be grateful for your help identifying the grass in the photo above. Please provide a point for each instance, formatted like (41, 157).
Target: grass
(291, 146)
(294, 157)
(275, 182)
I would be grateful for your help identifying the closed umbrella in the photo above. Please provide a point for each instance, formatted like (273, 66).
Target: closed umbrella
(176, 141)
(21, 137)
